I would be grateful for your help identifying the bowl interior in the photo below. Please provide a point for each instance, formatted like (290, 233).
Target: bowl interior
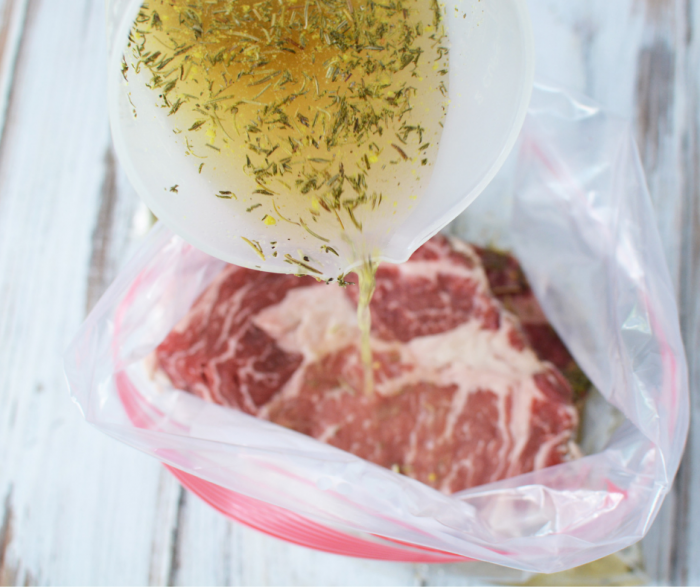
(490, 80)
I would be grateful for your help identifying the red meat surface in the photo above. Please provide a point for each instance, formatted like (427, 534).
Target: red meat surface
(510, 286)
(219, 354)
(461, 398)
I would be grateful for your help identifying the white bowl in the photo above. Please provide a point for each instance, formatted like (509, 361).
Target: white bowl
(490, 81)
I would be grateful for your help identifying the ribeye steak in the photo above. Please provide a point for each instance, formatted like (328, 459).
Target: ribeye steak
(461, 398)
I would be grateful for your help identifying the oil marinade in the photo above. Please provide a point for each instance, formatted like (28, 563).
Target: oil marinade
(326, 114)
(366, 276)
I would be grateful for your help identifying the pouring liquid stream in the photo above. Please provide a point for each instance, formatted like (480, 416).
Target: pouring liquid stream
(367, 283)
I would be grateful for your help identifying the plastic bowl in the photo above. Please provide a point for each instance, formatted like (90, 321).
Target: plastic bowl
(490, 83)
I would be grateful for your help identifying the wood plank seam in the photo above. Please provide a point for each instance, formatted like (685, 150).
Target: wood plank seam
(682, 555)
(7, 575)
(175, 538)
(100, 273)
(12, 34)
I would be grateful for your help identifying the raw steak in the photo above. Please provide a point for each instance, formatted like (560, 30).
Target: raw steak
(460, 398)
(509, 284)
(218, 353)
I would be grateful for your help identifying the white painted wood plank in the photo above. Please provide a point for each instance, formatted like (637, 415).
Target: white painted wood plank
(79, 507)
(686, 532)
(13, 14)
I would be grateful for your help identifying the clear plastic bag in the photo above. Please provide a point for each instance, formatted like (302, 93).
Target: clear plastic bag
(579, 218)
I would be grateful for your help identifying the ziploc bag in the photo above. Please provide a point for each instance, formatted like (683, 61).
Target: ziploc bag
(580, 220)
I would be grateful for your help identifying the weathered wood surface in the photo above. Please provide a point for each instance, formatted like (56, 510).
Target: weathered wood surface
(77, 507)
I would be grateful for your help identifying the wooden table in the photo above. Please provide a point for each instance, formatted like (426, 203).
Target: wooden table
(78, 508)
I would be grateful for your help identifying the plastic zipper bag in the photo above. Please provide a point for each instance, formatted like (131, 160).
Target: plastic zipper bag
(578, 217)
